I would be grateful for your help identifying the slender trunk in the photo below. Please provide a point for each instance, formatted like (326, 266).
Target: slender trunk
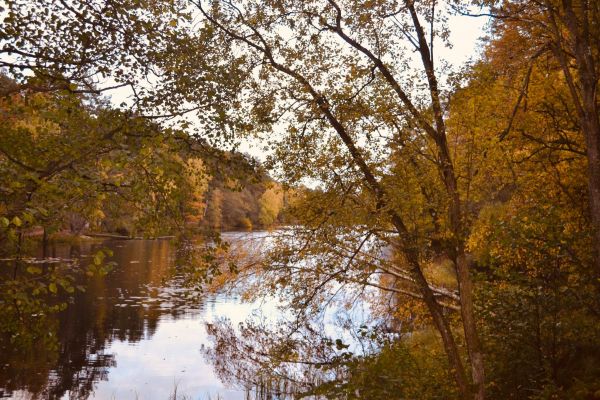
(440, 322)
(465, 284)
(463, 274)
(591, 129)
(463, 271)
(45, 243)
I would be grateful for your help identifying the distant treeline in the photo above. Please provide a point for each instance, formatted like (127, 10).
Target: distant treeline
(255, 204)
(72, 163)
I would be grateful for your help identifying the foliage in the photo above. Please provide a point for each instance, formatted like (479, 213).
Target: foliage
(271, 203)
(521, 179)
(60, 149)
(531, 233)
(243, 203)
(463, 203)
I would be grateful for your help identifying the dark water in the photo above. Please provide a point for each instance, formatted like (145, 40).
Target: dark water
(137, 333)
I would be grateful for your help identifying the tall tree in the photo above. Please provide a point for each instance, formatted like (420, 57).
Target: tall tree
(339, 76)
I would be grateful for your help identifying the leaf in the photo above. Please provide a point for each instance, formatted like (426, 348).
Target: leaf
(52, 287)
(28, 217)
(99, 257)
(16, 221)
(340, 345)
(34, 270)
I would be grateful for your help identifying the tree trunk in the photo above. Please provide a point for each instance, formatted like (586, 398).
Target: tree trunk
(465, 287)
(591, 129)
(443, 327)
(463, 273)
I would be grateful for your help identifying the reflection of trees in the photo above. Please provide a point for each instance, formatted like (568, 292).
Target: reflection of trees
(294, 357)
(324, 278)
(34, 357)
(272, 363)
(126, 305)
(28, 322)
(297, 359)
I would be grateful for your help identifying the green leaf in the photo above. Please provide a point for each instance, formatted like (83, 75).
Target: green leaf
(28, 217)
(34, 270)
(52, 287)
(16, 221)
(98, 258)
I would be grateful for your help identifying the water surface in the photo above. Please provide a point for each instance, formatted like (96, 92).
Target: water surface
(137, 333)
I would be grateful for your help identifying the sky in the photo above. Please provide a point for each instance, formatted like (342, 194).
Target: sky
(465, 33)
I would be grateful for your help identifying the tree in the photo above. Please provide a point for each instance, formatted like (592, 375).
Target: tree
(410, 175)
(67, 162)
(270, 203)
(336, 76)
(59, 147)
(214, 210)
(80, 45)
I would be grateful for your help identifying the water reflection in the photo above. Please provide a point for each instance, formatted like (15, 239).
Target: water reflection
(136, 333)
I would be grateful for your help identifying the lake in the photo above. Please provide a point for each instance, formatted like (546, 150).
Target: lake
(137, 333)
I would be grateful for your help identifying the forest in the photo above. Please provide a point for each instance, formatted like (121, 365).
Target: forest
(74, 164)
(458, 202)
